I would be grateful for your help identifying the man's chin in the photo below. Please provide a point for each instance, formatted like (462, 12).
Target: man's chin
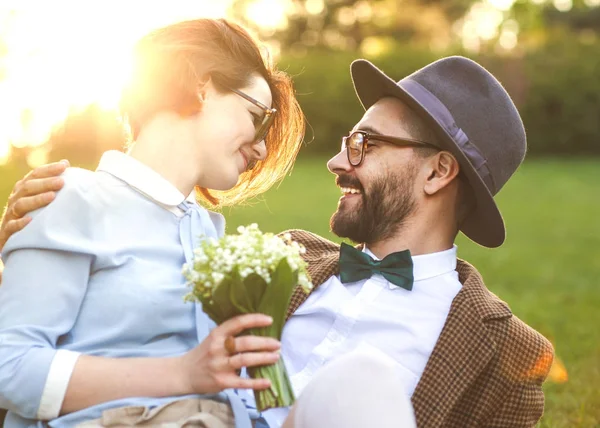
(342, 226)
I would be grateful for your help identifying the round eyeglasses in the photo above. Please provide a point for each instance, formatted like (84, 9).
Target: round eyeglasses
(356, 143)
(267, 120)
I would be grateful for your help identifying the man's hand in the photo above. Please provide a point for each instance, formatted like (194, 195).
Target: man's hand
(36, 190)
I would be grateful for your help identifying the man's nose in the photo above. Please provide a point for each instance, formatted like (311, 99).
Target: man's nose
(339, 163)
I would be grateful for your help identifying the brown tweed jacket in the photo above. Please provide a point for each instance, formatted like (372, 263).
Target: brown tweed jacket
(487, 367)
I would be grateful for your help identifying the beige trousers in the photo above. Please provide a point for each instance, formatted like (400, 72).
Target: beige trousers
(193, 412)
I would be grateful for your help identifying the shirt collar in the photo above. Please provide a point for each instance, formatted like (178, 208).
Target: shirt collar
(142, 178)
(426, 266)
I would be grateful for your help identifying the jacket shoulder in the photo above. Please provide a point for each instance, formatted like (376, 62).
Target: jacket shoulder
(315, 245)
(527, 354)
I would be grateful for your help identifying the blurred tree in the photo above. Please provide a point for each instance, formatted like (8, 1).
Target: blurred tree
(84, 136)
(540, 23)
(579, 18)
(357, 24)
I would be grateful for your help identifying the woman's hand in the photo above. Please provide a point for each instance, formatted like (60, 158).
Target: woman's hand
(36, 190)
(207, 368)
(211, 368)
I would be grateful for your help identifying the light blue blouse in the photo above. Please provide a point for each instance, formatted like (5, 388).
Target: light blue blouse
(98, 272)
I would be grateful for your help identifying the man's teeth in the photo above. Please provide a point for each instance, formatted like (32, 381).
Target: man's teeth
(349, 190)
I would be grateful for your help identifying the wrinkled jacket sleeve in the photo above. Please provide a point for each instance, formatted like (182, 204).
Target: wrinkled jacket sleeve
(47, 266)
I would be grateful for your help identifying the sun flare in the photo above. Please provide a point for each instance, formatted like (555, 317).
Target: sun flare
(66, 54)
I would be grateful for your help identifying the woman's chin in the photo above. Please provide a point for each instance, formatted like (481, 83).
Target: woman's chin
(224, 183)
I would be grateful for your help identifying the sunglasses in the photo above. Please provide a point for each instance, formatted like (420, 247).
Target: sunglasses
(356, 143)
(267, 120)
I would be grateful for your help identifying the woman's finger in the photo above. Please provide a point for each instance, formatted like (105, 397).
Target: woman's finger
(14, 226)
(28, 204)
(247, 383)
(11, 227)
(256, 343)
(236, 325)
(253, 359)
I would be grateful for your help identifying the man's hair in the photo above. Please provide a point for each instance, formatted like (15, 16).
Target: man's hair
(168, 65)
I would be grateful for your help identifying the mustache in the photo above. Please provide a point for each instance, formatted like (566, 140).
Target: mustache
(348, 181)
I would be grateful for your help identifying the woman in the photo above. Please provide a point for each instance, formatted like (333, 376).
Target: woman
(109, 330)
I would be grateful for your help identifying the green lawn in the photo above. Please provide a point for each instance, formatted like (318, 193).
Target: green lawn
(547, 270)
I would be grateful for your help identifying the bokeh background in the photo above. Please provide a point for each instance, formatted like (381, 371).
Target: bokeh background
(62, 63)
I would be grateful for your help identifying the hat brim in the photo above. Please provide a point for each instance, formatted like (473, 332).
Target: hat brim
(484, 224)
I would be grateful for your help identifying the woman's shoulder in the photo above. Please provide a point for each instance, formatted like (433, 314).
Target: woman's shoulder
(89, 188)
(78, 180)
(75, 195)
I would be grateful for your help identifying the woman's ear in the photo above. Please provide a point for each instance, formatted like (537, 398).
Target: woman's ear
(194, 103)
(203, 87)
(442, 169)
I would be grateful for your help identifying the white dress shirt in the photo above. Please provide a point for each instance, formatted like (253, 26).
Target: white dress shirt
(372, 315)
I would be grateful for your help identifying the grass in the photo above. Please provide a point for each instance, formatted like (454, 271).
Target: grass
(548, 270)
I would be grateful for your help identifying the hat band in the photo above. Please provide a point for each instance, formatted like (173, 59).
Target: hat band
(438, 111)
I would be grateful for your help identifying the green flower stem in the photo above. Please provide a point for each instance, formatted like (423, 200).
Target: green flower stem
(280, 394)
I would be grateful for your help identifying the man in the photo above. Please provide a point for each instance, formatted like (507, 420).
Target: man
(421, 165)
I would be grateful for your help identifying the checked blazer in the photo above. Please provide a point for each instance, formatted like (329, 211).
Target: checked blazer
(487, 367)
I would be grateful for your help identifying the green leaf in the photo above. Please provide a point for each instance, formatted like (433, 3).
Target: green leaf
(238, 293)
(221, 308)
(277, 296)
(256, 287)
(212, 311)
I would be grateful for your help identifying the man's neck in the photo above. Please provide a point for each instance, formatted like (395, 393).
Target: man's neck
(421, 238)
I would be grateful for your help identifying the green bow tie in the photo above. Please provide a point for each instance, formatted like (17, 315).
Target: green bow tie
(355, 265)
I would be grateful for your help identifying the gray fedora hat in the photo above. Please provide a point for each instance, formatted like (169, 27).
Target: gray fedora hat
(475, 120)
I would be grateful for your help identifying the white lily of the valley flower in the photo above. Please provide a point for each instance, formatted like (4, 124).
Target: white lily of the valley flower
(251, 251)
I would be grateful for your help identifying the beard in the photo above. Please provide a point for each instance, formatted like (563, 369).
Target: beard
(381, 211)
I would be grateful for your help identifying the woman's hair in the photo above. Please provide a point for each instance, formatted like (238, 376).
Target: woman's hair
(168, 65)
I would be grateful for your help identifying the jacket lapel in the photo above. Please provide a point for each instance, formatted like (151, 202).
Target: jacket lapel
(322, 257)
(462, 351)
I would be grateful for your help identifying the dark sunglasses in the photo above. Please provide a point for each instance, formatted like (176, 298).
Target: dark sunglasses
(356, 143)
(267, 120)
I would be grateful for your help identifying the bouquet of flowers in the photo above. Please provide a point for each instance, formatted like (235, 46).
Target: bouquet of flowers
(252, 272)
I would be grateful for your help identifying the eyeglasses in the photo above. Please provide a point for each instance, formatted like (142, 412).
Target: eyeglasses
(267, 120)
(356, 143)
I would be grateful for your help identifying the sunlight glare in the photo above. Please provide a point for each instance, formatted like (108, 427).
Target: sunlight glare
(4, 153)
(508, 39)
(314, 7)
(563, 5)
(482, 23)
(269, 14)
(501, 4)
(487, 19)
(77, 54)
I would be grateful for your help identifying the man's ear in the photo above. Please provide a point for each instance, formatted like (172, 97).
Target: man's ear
(442, 169)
